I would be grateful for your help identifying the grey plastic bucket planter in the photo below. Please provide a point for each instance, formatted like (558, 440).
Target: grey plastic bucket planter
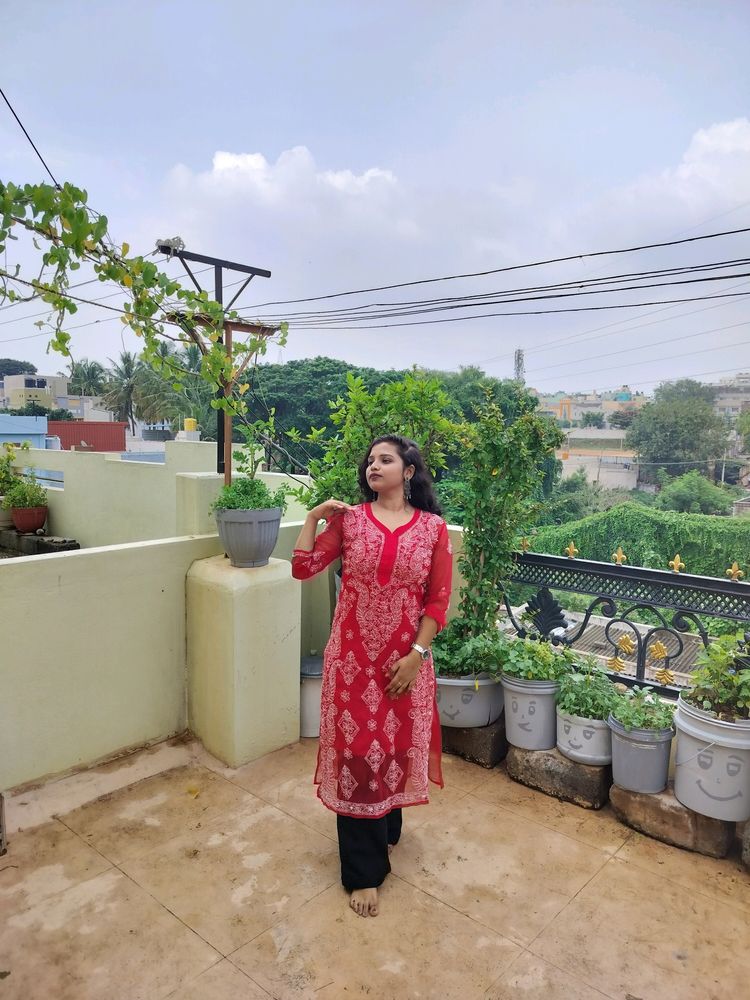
(248, 536)
(712, 764)
(587, 741)
(465, 703)
(530, 718)
(640, 757)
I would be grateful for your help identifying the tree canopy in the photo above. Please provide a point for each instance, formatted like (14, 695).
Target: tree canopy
(9, 366)
(676, 432)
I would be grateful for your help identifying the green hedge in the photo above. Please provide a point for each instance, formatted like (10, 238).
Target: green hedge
(708, 545)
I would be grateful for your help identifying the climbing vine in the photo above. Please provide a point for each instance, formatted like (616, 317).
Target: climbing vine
(65, 233)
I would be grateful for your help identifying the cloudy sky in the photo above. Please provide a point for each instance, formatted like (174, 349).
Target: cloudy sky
(345, 145)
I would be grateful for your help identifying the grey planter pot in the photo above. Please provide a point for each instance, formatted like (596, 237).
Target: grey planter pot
(640, 757)
(530, 716)
(587, 741)
(712, 764)
(463, 703)
(249, 536)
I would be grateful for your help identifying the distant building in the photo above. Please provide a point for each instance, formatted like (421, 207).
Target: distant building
(573, 406)
(23, 430)
(732, 395)
(52, 392)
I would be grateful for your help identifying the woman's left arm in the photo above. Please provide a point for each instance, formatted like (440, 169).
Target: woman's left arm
(404, 672)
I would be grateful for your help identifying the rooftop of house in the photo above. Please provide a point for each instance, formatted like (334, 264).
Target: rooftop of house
(167, 875)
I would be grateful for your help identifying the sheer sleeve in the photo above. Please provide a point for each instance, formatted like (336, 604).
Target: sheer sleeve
(327, 548)
(438, 595)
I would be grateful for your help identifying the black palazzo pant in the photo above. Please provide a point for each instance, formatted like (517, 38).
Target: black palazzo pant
(363, 849)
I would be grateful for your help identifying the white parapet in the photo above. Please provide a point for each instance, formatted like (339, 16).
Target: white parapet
(243, 655)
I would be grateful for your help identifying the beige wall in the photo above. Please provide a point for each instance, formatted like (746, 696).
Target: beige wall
(107, 501)
(93, 654)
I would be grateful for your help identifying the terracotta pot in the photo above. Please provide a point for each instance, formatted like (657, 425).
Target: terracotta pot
(28, 518)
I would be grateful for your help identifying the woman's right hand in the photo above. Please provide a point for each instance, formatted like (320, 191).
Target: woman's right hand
(329, 509)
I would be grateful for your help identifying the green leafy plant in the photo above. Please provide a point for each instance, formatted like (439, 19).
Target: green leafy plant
(640, 708)
(415, 407)
(535, 660)
(25, 492)
(501, 468)
(246, 491)
(8, 460)
(457, 656)
(65, 233)
(721, 684)
(587, 692)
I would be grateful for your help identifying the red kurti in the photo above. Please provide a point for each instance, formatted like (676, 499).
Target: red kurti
(376, 753)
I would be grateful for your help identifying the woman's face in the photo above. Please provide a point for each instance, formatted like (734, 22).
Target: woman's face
(385, 469)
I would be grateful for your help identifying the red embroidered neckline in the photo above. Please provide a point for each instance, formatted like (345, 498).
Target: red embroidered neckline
(383, 527)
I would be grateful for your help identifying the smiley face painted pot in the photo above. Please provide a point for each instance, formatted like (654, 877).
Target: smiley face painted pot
(530, 717)
(466, 702)
(712, 764)
(588, 741)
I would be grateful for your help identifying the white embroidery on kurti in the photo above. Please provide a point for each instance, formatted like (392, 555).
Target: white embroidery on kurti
(372, 696)
(348, 726)
(391, 725)
(349, 668)
(375, 756)
(393, 776)
(347, 782)
(372, 725)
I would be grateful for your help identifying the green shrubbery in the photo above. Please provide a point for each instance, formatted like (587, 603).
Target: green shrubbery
(708, 545)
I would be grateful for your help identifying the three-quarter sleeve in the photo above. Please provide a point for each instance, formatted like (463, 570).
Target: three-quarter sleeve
(327, 548)
(438, 595)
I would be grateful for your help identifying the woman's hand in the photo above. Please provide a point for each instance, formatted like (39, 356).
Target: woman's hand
(329, 508)
(404, 674)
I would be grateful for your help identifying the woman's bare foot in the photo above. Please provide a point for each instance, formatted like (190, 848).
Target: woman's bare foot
(365, 902)
(390, 847)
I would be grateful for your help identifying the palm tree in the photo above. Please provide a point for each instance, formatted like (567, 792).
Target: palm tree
(86, 378)
(122, 392)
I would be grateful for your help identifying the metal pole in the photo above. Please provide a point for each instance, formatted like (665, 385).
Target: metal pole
(220, 421)
(227, 423)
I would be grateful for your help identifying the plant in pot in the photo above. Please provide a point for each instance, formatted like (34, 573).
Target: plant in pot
(642, 729)
(502, 458)
(8, 476)
(531, 675)
(712, 759)
(468, 693)
(27, 502)
(584, 702)
(248, 514)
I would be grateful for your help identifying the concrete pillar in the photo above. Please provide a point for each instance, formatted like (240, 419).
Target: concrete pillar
(243, 656)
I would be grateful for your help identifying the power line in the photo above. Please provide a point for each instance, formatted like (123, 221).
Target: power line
(350, 320)
(33, 145)
(628, 350)
(540, 312)
(356, 312)
(505, 270)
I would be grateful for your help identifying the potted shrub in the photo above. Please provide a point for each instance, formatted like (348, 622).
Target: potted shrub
(501, 469)
(8, 477)
(585, 700)
(248, 514)
(468, 690)
(712, 760)
(27, 502)
(642, 730)
(531, 675)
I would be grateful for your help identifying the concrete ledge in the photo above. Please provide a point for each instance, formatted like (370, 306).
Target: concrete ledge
(485, 745)
(550, 772)
(662, 817)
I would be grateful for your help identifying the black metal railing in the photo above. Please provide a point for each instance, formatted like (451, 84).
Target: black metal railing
(639, 643)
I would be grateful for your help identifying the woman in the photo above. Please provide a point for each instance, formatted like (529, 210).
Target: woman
(379, 727)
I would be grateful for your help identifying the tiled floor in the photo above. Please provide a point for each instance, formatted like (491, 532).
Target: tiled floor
(205, 883)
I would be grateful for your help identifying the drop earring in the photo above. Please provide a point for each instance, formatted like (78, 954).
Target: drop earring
(407, 489)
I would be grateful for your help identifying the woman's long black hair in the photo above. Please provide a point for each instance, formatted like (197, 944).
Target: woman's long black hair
(422, 493)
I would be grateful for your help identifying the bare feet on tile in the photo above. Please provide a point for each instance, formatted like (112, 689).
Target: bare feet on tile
(365, 902)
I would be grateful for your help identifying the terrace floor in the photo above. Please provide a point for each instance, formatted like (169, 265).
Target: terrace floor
(193, 881)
